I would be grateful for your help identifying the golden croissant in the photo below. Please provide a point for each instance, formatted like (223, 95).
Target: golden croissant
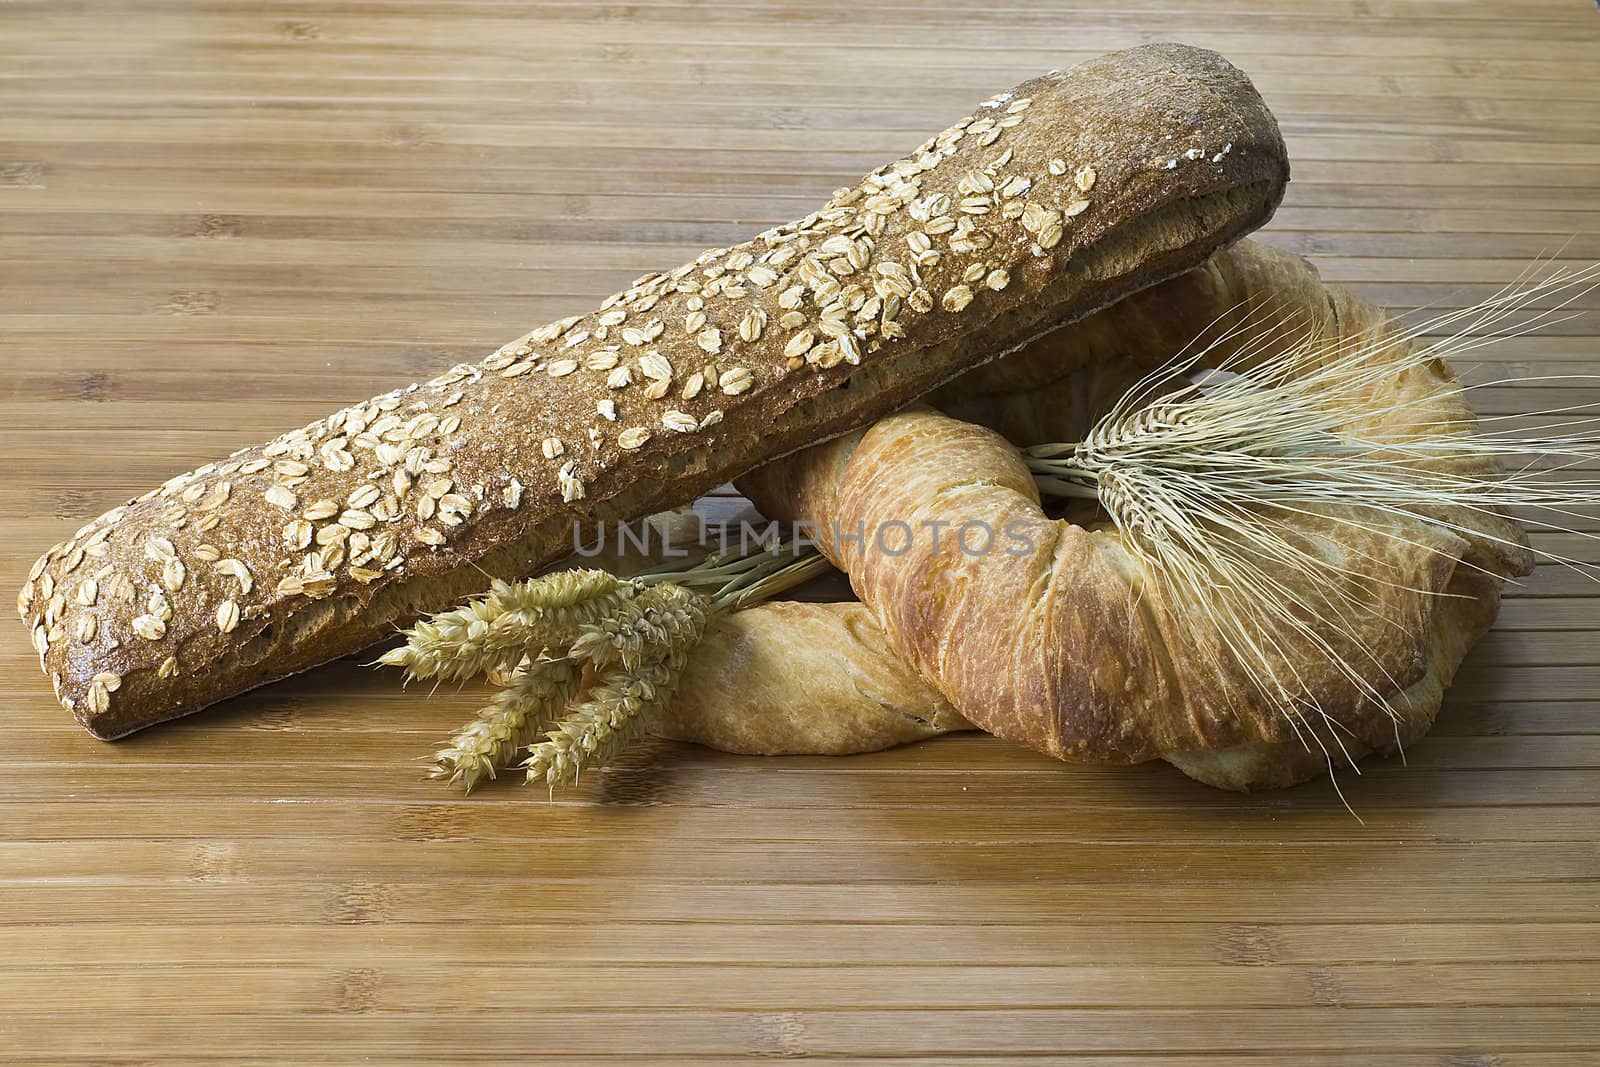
(1075, 647)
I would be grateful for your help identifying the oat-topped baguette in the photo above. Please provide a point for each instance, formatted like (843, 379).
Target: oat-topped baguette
(1048, 202)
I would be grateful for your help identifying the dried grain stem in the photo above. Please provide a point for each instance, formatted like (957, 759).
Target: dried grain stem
(618, 709)
(644, 628)
(513, 621)
(530, 703)
(637, 633)
(1205, 475)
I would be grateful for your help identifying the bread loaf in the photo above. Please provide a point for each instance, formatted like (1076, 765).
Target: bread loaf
(1051, 200)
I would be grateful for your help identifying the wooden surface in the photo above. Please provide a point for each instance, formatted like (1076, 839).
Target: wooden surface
(219, 219)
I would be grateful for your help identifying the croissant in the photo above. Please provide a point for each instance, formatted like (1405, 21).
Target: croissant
(1072, 647)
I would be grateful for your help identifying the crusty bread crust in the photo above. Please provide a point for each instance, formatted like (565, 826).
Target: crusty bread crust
(1054, 199)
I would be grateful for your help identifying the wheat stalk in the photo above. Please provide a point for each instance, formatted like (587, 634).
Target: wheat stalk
(618, 709)
(541, 634)
(645, 628)
(733, 581)
(513, 621)
(531, 701)
(1205, 478)
(652, 639)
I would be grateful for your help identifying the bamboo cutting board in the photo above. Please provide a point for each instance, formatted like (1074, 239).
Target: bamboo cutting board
(219, 219)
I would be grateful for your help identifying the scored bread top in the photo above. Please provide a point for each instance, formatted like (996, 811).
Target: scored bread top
(1048, 201)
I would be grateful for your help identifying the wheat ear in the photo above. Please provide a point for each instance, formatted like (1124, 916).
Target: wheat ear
(537, 635)
(645, 628)
(1206, 476)
(514, 620)
(531, 702)
(619, 708)
(653, 638)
